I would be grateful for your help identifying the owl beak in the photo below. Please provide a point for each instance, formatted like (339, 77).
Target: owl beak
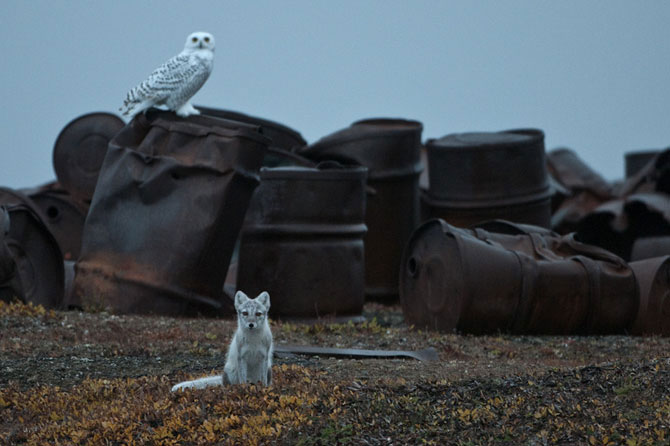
(200, 45)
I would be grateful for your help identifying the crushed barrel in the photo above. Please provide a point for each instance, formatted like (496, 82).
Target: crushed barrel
(167, 209)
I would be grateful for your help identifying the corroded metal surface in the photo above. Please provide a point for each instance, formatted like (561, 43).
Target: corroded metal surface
(282, 136)
(390, 149)
(80, 150)
(637, 160)
(520, 280)
(302, 241)
(480, 176)
(649, 247)
(39, 262)
(64, 217)
(585, 189)
(10, 283)
(168, 206)
(653, 277)
(617, 224)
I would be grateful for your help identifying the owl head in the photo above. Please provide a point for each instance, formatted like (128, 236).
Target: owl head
(199, 40)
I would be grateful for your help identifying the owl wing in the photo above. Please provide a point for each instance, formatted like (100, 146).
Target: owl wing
(160, 84)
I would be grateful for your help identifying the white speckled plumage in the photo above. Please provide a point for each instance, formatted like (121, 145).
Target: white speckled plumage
(175, 82)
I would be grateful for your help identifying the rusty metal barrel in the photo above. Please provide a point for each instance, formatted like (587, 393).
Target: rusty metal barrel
(64, 216)
(653, 278)
(38, 259)
(10, 283)
(80, 150)
(521, 281)
(282, 136)
(638, 159)
(169, 203)
(302, 241)
(391, 150)
(480, 176)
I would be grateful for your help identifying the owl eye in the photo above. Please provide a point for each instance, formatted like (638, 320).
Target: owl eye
(207, 39)
(194, 39)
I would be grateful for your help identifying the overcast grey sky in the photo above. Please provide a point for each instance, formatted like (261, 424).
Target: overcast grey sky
(594, 75)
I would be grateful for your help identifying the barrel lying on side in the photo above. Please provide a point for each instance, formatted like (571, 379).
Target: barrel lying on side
(653, 278)
(167, 209)
(525, 280)
(302, 241)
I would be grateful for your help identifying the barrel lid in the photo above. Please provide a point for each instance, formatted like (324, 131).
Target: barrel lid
(384, 145)
(432, 288)
(38, 258)
(80, 149)
(497, 140)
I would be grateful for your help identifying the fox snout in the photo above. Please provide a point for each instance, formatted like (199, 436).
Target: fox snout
(251, 325)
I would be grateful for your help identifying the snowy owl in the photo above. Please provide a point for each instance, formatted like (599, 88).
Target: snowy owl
(172, 84)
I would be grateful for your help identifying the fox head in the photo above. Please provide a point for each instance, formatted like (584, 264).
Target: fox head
(252, 313)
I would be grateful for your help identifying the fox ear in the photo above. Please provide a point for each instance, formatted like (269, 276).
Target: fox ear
(240, 298)
(264, 299)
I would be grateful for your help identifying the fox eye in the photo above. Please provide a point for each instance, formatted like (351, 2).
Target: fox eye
(258, 313)
(245, 313)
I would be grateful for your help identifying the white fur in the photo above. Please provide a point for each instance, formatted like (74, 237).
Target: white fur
(249, 358)
(172, 85)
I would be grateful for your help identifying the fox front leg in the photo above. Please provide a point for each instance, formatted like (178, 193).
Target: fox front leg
(242, 371)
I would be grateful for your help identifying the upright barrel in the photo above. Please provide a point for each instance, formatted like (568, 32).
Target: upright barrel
(302, 241)
(480, 176)
(391, 150)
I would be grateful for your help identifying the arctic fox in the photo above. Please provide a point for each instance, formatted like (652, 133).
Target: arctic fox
(249, 357)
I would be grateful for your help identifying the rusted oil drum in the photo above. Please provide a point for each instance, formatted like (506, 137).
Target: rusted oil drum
(282, 136)
(486, 175)
(38, 259)
(80, 149)
(636, 160)
(64, 217)
(586, 189)
(618, 224)
(650, 247)
(519, 281)
(10, 283)
(169, 203)
(391, 150)
(653, 278)
(302, 241)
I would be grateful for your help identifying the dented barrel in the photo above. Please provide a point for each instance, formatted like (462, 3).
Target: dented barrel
(519, 280)
(167, 209)
(480, 176)
(302, 241)
(391, 150)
